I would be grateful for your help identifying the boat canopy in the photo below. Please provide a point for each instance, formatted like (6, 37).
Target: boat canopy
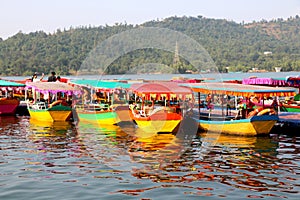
(6, 83)
(240, 90)
(157, 90)
(101, 85)
(265, 81)
(52, 87)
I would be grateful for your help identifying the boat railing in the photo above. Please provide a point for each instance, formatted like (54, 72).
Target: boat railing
(94, 107)
(217, 117)
(156, 110)
(37, 106)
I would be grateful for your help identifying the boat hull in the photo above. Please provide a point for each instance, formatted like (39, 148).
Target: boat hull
(159, 122)
(8, 106)
(51, 116)
(257, 125)
(98, 117)
(40, 115)
(58, 115)
(123, 113)
(165, 126)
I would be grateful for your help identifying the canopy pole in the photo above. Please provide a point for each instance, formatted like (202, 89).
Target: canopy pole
(236, 103)
(199, 104)
(278, 104)
(25, 95)
(165, 101)
(222, 105)
(210, 108)
(246, 110)
(108, 97)
(127, 97)
(227, 106)
(91, 95)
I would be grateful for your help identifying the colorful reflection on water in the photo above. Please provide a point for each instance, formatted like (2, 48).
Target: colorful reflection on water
(51, 160)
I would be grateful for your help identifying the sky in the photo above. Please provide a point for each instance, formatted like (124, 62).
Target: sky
(49, 15)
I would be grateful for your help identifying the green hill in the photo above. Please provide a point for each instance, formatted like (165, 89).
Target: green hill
(237, 46)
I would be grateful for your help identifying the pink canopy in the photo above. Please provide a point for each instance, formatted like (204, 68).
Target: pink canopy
(264, 81)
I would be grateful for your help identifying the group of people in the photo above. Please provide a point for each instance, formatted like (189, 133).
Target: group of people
(52, 78)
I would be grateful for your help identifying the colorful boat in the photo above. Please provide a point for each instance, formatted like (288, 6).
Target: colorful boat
(8, 101)
(164, 114)
(41, 109)
(257, 122)
(99, 100)
(97, 114)
(291, 104)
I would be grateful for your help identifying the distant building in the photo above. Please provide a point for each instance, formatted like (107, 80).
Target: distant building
(268, 53)
(255, 69)
(277, 69)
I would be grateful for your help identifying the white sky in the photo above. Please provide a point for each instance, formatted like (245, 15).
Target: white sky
(50, 15)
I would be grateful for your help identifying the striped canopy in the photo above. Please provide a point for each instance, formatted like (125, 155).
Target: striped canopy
(240, 89)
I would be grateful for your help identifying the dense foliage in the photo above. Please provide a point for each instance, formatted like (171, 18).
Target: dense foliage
(233, 46)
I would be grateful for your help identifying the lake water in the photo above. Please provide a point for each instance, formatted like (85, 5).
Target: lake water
(64, 161)
(84, 161)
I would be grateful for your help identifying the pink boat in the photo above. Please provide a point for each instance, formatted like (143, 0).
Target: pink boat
(8, 106)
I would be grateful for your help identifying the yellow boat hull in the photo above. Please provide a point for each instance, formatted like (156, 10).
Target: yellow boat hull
(104, 122)
(156, 126)
(60, 115)
(51, 116)
(100, 118)
(39, 115)
(242, 128)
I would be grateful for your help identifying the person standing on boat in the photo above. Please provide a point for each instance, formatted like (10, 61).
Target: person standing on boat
(36, 95)
(35, 78)
(208, 100)
(58, 79)
(52, 78)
